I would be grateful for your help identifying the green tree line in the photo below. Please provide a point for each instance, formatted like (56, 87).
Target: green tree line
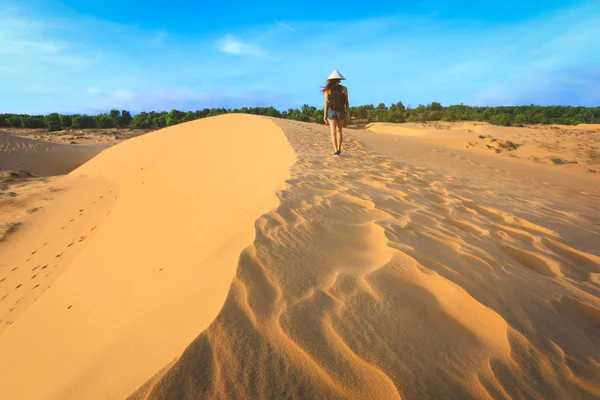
(505, 115)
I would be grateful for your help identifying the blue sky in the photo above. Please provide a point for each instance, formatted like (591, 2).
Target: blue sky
(91, 56)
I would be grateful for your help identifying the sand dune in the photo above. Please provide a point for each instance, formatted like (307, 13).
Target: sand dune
(377, 279)
(574, 148)
(134, 257)
(391, 272)
(42, 158)
(27, 168)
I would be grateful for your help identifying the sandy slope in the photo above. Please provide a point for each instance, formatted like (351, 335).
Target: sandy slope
(574, 148)
(133, 257)
(27, 168)
(376, 278)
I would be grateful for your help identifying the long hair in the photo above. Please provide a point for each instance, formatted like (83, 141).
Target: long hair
(330, 83)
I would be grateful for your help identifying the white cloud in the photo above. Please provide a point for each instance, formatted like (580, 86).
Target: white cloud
(19, 36)
(229, 44)
(286, 26)
(94, 91)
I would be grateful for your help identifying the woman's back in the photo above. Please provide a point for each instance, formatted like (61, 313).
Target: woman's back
(337, 97)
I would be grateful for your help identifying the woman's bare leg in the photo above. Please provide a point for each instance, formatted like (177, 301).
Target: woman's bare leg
(333, 125)
(339, 136)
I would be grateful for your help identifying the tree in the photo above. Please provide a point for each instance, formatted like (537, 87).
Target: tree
(541, 118)
(318, 116)
(53, 122)
(512, 115)
(14, 121)
(35, 121)
(175, 117)
(189, 116)
(83, 122)
(115, 116)
(395, 113)
(66, 121)
(500, 119)
(158, 120)
(272, 112)
(126, 118)
(519, 119)
(435, 106)
(141, 121)
(104, 121)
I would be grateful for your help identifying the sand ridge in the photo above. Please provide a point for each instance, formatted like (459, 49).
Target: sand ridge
(117, 274)
(375, 278)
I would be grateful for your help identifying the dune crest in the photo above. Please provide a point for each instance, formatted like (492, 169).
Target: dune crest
(377, 279)
(134, 256)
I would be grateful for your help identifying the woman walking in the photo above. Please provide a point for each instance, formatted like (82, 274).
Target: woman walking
(336, 109)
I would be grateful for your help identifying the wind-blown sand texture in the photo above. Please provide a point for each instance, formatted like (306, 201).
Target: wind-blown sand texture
(388, 273)
(135, 257)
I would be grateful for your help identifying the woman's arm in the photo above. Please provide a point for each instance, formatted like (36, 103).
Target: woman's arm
(325, 108)
(347, 107)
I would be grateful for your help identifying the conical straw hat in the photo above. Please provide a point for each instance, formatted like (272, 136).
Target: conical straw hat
(336, 75)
